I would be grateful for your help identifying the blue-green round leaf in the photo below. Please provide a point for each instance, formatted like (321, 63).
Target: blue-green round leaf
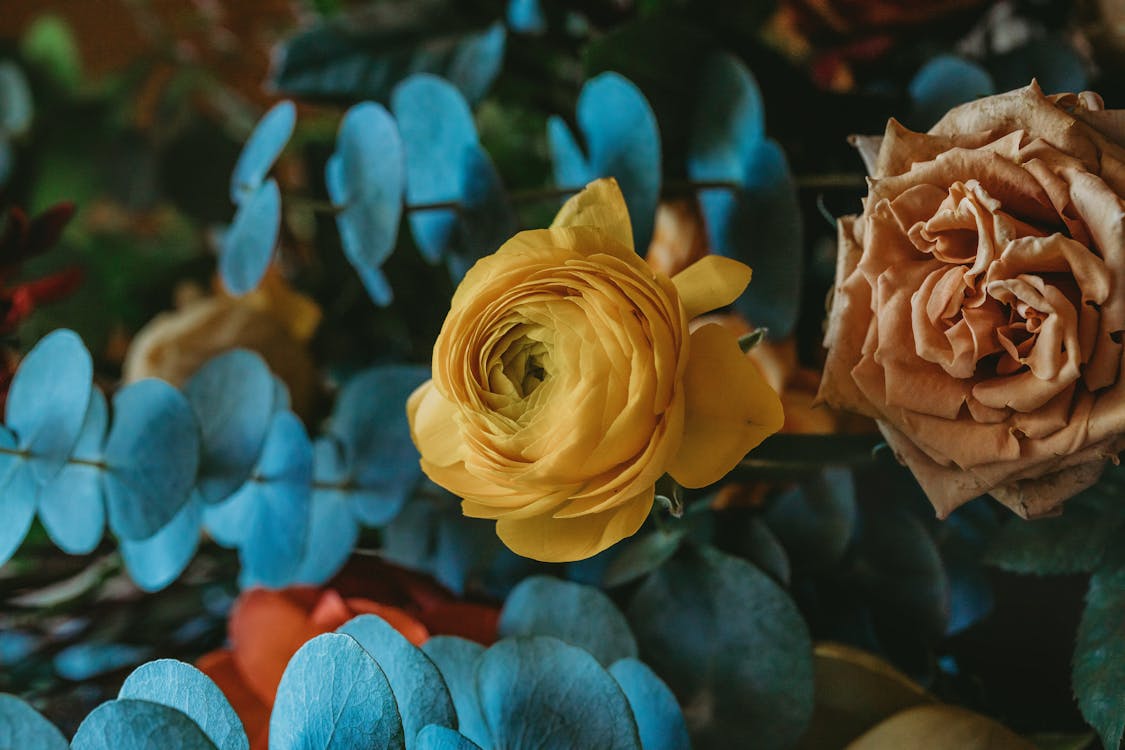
(48, 398)
(437, 129)
(1099, 654)
(658, 716)
(72, 504)
(580, 615)
(526, 16)
(623, 141)
(262, 148)
(19, 493)
(365, 179)
(333, 696)
(370, 422)
(155, 562)
(436, 737)
(333, 529)
(816, 519)
(278, 521)
(415, 681)
(21, 726)
(476, 62)
(16, 109)
(247, 245)
(1052, 61)
(944, 82)
(139, 725)
(233, 399)
(720, 631)
(539, 693)
(152, 456)
(456, 659)
(83, 661)
(487, 220)
(181, 686)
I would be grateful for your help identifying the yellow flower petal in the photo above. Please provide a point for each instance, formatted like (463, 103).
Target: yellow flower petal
(600, 205)
(549, 539)
(730, 408)
(711, 282)
(433, 426)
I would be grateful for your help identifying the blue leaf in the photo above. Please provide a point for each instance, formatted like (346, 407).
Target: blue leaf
(19, 493)
(262, 148)
(72, 505)
(83, 661)
(526, 17)
(365, 179)
(1051, 60)
(944, 82)
(151, 456)
(623, 142)
(278, 522)
(333, 696)
(759, 224)
(541, 694)
(155, 562)
(233, 399)
(139, 725)
(247, 246)
(816, 519)
(693, 615)
(658, 716)
(417, 684)
(15, 101)
(579, 615)
(435, 737)
(370, 422)
(21, 726)
(333, 529)
(228, 522)
(437, 129)
(456, 659)
(487, 220)
(48, 398)
(476, 62)
(183, 687)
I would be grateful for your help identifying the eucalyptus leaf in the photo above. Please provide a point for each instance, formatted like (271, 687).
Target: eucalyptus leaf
(72, 503)
(457, 659)
(21, 726)
(659, 719)
(261, 150)
(247, 245)
(129, 724)
(1099, 653)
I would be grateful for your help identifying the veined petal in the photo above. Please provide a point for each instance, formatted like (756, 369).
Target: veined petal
(549, 539)
(600, 205)
(711, 282)
(723, 420)
(433, 426)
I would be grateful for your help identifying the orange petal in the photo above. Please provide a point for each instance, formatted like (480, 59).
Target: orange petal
(711, 282)
(411, 629)
(730, 408)
(221, 668)
(550, 539)
(266, 629)
(477, 622)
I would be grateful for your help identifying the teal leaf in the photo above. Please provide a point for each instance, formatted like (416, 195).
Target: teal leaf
(333, 528)
(435, 737)
(183, 687)
(539, 693)
(247, 245)
(365, 180)
(1099, 653)
(71, 504)
(732, 645)
(19, 494)
(416, 682)
(816, 519)
(16, 106)
(262, 148)
(139, 725)
(944, 82)
(21, 726)
(83, 661)
(622, 141)
(1073, 542)
(47, 401)
(155, 562)
(277, 522)
(643, 554)
(1051, 60)
(233, 399)
(658, 716)
(477, 61)
(456, 659)
(579, 615)
(487, 220)
(151, 455)
(526, 17)
(747, 536)
(369, 420)
(333, 696)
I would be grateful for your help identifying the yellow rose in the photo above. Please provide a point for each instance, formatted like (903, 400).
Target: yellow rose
(565, 383)
(980, 299)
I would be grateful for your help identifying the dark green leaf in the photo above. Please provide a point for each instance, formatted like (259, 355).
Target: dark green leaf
(1099, 654)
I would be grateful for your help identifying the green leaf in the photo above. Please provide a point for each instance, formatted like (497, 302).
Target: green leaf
(1099, 654)
(732, 645)
(49, 43)
(1074, 542)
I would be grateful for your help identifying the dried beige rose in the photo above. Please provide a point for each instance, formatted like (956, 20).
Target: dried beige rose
(980, 299)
